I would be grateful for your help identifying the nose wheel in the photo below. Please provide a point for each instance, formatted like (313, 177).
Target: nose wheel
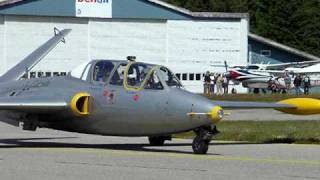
(200, 144)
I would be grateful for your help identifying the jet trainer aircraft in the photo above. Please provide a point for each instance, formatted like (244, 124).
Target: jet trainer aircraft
(118, 98)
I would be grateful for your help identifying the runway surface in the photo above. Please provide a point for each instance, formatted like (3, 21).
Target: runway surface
(48, 154)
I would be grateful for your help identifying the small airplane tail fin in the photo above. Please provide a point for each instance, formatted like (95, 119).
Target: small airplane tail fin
(35, 57)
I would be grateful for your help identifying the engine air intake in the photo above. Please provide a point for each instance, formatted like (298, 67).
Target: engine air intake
(80, 104)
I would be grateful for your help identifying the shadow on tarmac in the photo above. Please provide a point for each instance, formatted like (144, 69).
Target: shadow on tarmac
(30, 143)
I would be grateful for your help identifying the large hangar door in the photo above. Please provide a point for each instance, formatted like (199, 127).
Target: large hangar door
(205, 42)
(117, 39)
(24, 34)
(195, 47)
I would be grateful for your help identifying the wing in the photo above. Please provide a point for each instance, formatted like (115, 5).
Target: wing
(12, 109)
(16, 108)
(251, 105)
(296, 106)
(34, 58)
(282, 66)
(33, 104)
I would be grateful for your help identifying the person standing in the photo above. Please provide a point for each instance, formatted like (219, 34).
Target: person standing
(219, 84)
(212, 83)
(225, 84)
(206, 84)
(306, 84)
(297, 84)
(287, 81)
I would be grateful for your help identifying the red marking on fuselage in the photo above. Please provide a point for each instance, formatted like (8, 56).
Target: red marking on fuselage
(136, 97)
(234, 74)
(106, 93)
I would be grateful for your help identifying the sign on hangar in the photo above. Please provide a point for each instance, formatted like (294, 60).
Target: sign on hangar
(94, 8)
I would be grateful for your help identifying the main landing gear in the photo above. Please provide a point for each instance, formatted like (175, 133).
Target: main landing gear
(30, 123)
(200, 144)
(158, 140)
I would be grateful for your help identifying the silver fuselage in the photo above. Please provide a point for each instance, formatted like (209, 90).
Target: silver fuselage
(128, 113)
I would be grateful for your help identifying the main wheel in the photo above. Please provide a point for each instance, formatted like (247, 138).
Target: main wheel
(156, 141)
(200, 146)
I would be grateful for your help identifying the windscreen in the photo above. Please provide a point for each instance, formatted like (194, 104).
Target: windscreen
(136, 74)
(154, 82)
(169, 78)
(118, 76)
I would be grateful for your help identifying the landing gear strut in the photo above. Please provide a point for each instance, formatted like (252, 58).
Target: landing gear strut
(200, 144)
(158, 140)
(30, 126)
(30, 123)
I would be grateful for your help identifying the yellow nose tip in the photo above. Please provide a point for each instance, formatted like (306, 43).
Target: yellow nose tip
(216, 114)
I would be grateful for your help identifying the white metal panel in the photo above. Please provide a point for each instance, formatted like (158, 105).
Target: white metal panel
(2, 46)
(25, 34)
(244, 34)
(205, 42)
(117, 39)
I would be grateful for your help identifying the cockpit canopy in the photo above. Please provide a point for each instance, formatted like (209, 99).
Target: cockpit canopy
(131, 75)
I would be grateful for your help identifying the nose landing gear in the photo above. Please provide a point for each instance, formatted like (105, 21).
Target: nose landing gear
(200, 144)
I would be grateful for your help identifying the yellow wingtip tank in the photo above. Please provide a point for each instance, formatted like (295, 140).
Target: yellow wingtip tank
(301, 106)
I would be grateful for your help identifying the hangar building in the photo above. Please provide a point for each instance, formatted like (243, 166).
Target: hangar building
(266, 51)
(190, 43)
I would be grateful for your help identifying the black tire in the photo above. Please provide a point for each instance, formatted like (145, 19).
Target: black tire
(200, 146)
(156, 141)
(256, 91)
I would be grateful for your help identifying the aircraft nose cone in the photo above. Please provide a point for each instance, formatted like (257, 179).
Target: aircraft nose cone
(200, 110)
(216, 114)
(208, 111)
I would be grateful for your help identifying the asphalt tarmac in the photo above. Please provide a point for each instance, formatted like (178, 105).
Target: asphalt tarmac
(49, 154)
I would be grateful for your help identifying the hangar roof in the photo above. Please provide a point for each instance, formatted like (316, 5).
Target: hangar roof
(147, 9)
(283, 47)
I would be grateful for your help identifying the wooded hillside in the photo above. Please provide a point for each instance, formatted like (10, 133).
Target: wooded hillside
(295, 23)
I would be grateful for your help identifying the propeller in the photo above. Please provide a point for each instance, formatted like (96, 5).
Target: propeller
(226, 66)
(227, 69)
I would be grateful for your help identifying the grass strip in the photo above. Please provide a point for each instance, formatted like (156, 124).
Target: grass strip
(299, 132)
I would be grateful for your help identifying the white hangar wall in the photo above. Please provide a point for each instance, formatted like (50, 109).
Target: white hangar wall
(23, 34)
(117, 39)
(186, 46)
(198, 46)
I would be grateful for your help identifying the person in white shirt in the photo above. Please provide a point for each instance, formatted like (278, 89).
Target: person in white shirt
(219, 84)
(212, 83)
(225, 84)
